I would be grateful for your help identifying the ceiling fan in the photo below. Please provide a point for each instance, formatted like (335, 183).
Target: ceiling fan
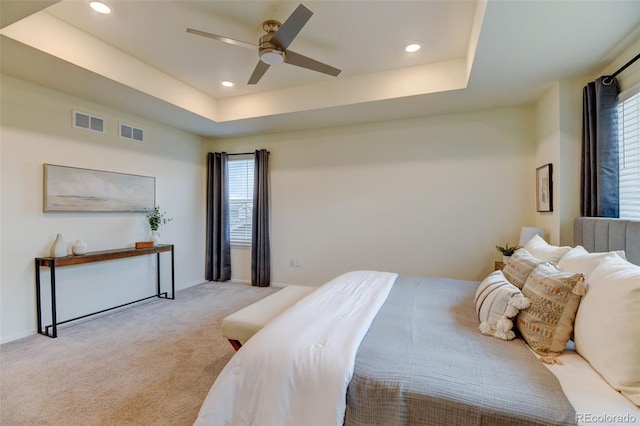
(272, 47)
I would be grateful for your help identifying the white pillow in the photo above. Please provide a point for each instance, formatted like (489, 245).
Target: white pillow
(578, 259)
(607, 325)
(497, 301)
(539, 248)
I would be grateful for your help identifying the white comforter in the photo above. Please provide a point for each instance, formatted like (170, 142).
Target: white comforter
(296, 370)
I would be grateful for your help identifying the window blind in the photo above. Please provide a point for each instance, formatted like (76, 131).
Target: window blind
(629, 149)
(241, 198)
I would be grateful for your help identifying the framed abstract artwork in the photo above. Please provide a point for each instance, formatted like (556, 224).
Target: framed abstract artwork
(544, 188)
(73, 189)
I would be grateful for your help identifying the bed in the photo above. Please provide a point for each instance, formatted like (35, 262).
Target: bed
(374, 348)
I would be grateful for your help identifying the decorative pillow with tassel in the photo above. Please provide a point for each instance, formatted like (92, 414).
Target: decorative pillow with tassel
(497, 302)
(547, 324)
(520, 266)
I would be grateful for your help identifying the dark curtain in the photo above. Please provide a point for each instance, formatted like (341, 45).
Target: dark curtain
(218, 256)
(599, 180)
(260, 242)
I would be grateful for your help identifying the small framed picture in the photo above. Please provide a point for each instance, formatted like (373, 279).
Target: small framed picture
(544, 189)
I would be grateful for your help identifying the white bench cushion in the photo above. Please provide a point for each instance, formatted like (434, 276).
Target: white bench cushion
(246, 322)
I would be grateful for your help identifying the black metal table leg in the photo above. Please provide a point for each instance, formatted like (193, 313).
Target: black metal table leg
(54, 319)
(38, 302)
(158, 274)
(173, 277)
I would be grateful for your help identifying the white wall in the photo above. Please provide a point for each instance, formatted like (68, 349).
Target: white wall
(548, 151)
(428, 196)
(570, 151)
(36, 129)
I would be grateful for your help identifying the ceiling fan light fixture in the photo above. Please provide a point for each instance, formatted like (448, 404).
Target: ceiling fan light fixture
(272, 56)
(412, 46)
(100, 7)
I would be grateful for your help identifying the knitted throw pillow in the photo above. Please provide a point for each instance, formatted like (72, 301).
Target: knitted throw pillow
(497, 301)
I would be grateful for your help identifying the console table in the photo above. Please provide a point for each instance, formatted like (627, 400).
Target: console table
(96, 256)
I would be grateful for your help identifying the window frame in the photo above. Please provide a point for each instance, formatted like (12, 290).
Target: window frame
(250, 159)
(624, 146)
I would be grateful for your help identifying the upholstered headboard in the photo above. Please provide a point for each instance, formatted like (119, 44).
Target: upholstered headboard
(598, 234)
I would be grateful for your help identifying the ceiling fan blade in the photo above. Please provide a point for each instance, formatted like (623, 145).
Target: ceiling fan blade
(299, 60)
(222, 39)
(258, 72)
(292, 26)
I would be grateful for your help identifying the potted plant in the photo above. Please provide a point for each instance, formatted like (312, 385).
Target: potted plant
(156, 218)
(507, 251)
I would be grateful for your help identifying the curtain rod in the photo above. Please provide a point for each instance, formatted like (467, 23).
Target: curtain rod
(246, 153)
(622, 68)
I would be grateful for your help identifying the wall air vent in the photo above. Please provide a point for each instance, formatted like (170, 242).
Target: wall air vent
(131, 132)
(89, 122)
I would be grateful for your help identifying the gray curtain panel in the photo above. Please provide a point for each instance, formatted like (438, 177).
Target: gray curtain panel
(261, 243)
(218, 256)
(599, 180)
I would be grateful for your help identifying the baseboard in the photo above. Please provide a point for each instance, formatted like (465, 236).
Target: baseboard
(18, 337)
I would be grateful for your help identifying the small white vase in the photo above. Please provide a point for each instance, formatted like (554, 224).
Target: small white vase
(505, 259)
(79, 247)
(59, 247)
(155, 237)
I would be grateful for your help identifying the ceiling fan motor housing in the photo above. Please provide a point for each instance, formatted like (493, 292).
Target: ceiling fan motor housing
(270, 53)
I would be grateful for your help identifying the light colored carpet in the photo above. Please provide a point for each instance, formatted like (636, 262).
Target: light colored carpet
(151, 364)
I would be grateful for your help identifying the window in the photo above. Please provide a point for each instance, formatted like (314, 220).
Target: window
(629, 148)
(241, 198)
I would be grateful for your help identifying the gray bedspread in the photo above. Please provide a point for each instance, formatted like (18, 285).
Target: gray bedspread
(424, 362)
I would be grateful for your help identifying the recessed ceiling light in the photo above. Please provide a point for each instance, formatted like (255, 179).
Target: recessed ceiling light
(227, 83)
(100, 7)
(413, 46)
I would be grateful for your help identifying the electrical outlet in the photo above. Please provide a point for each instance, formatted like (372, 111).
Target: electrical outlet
(294, 263)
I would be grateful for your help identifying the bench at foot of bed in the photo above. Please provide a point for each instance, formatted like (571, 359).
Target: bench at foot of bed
(241, 325)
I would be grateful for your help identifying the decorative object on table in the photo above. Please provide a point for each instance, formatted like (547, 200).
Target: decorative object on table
(79, 248)
(59, 247)
(155, 237)
(75, 189)
(507, 251)
(528, 232)
(544, 189)
(157, 218)
(144, 244)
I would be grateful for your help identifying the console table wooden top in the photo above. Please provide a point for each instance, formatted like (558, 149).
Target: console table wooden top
(99, 256)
